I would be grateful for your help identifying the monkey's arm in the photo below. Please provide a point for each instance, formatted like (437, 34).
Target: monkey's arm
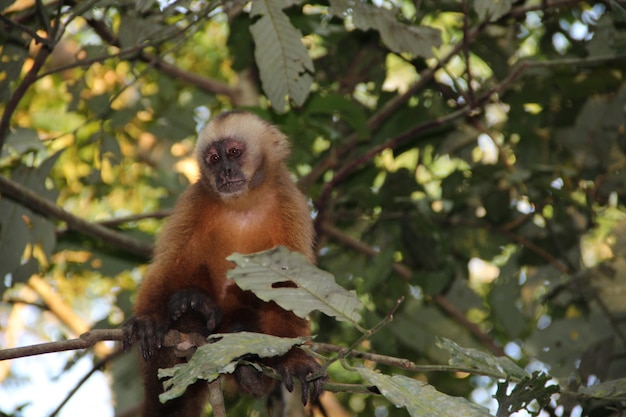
(174, 286)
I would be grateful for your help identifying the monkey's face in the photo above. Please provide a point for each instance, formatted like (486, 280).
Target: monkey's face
(225, 160)
(237, 151)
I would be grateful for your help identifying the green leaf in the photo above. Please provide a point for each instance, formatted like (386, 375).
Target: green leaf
(13, 56)
(20, 226)
(503, 300)
(492, 9)
(609, 390)
(500, 367)
(24, 140)
(524, 393)
(220, 356)
(419, 398)
(284, 64)
(398, 36)
(315, 289)
(13, 236)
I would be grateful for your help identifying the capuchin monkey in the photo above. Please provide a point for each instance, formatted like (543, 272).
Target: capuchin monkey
(246, 202)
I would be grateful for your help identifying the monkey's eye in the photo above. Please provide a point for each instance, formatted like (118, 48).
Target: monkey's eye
(213, 157)
(234, 152)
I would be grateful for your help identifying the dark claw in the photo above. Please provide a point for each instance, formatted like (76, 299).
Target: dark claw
(304, 387)
(287, 380)
(318, 387)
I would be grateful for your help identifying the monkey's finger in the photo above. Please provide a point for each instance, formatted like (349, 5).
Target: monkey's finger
(304, 387)
(128, 330)
(127, 343)
(287, 380)
(318, 388)
(146, 347)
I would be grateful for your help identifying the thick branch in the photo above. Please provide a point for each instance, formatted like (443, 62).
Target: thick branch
(33, 201)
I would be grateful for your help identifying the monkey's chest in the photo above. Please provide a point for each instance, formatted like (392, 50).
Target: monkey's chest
(239, 233)
(242, 232)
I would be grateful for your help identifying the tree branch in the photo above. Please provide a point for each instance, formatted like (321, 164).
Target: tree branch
(32, 200)
(85, 341)
(173, 338)
(18, 94)
(204, 83)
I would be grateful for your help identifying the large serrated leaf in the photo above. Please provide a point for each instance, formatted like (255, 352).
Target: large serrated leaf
(500, 367)
(316, 289)
(220, 356)
(283, 61)
(419, 398)
(399, 37)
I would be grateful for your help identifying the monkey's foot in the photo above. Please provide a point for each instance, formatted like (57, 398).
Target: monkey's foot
(193, 300)
(297, 364)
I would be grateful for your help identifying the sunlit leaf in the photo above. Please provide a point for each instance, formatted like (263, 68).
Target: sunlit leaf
(284, 63)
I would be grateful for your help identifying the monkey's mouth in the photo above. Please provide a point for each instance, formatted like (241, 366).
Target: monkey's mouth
(229, 187)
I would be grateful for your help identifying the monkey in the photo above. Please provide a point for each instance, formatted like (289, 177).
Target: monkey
(244, 201)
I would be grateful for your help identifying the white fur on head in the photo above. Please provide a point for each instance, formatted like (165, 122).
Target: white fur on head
(265, 146)
(261, 138)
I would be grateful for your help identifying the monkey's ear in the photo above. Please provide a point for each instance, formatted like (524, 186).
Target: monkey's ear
(281, 147)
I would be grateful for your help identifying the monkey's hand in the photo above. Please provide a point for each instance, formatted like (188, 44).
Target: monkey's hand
(193, 300)
(146, 330)
(298, 364)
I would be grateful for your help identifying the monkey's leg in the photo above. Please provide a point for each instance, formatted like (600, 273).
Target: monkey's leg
(190, 404)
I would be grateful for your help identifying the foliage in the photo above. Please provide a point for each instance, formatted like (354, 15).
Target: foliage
(220, 356)
(528, 390)
(467, 157)
(265, 272)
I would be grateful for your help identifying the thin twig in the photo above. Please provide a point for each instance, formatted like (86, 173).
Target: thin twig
(369, 333)
(85, 340)
(23, 28)
(92, 337)
(466, 53)
(20, 90)
(96, 367)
